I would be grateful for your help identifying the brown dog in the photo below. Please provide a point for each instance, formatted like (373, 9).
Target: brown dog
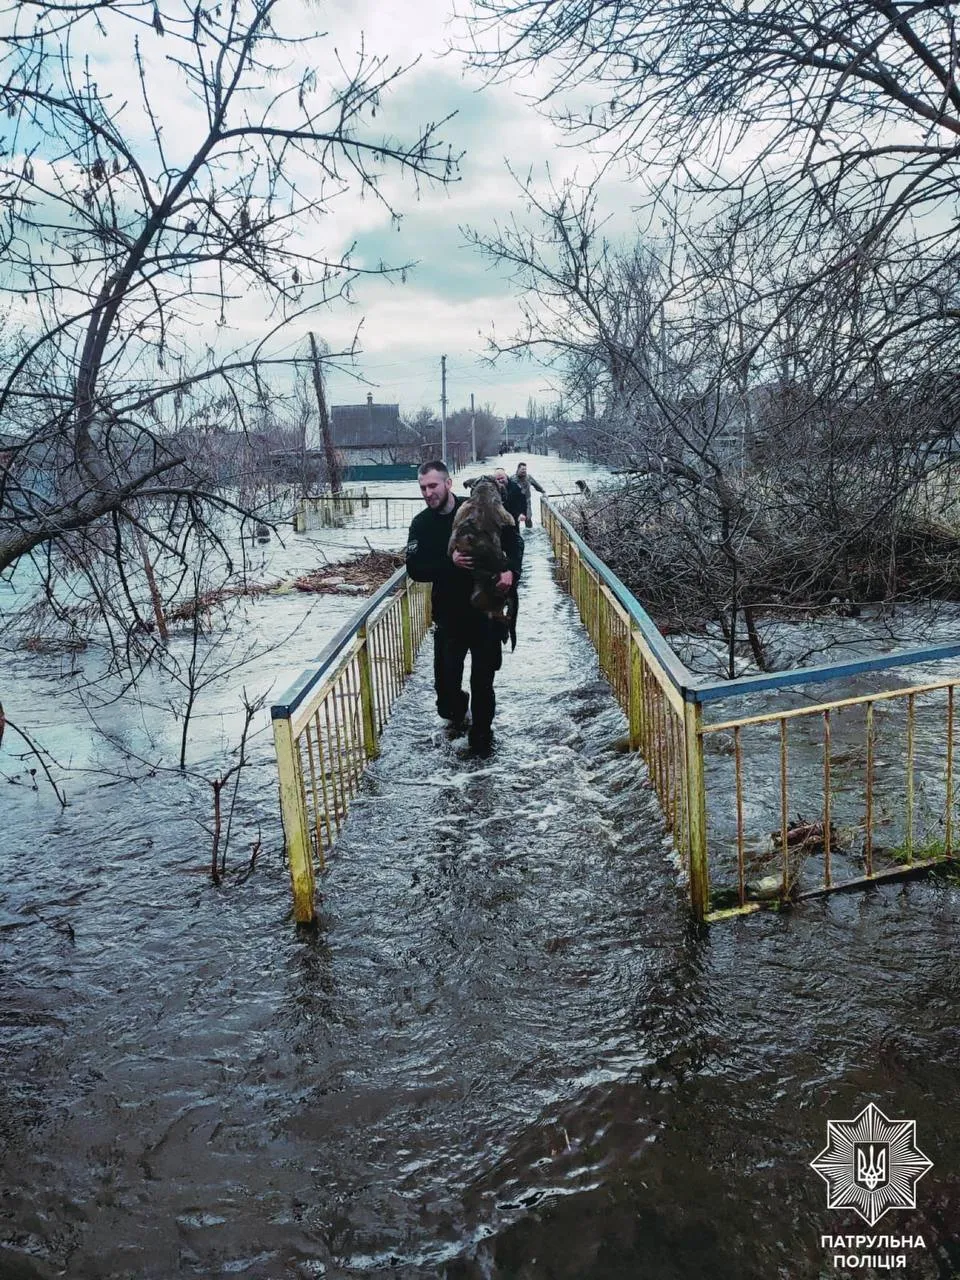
(476, 533)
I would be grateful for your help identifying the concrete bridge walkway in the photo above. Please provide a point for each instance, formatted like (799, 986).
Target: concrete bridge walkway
(483, 919)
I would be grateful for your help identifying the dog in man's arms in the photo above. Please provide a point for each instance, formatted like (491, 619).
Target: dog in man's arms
(476, 533)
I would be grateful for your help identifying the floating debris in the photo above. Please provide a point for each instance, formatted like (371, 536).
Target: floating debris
(184, 611)
(359, 576)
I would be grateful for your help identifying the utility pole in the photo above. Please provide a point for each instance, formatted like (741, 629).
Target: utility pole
(333, 464)
(473, 431)
(443, 408)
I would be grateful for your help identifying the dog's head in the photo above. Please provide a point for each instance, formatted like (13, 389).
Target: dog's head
(485, 492)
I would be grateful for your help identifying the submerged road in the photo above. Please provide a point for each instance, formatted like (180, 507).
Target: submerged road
(506, 1053)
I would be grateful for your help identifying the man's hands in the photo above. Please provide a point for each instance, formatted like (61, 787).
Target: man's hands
(504, 580)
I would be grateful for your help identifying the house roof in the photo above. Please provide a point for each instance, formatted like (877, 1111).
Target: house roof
(366, 425)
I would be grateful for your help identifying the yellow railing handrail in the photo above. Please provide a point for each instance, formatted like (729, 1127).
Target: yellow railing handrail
(664, 703)
(327, 724)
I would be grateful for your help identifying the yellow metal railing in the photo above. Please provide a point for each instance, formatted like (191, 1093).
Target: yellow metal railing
(873, 771)
(849, 791)
(328, 724)
(643, 673)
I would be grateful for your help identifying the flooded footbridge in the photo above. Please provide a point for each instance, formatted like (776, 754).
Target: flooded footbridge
(507, 1050)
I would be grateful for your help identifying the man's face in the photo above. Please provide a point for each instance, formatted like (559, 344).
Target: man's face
(522, 470)
(435, 487)
(501, 478)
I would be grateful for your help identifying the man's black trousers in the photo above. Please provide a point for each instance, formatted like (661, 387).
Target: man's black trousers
(481, 639)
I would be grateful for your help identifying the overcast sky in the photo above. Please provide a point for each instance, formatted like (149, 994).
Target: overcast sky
(453, 298)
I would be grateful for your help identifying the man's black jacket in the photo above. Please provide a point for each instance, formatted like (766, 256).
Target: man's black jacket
(428, 561)
(515, 500)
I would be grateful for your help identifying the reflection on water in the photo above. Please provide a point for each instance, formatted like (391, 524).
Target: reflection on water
(507, 1052)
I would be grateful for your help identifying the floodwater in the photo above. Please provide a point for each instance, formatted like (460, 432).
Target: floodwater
(506, 1052)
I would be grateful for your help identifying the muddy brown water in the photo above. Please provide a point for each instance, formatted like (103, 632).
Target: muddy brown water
(506, 1052)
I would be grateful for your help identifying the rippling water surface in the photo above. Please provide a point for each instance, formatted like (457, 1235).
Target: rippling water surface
(505, 1053)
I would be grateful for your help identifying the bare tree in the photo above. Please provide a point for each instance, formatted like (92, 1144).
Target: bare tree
(132, 225)
(460, 427)
(774, 462)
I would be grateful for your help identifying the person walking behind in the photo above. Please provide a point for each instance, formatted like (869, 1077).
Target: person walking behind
(459, 628)
(524, 482)
(511, 495)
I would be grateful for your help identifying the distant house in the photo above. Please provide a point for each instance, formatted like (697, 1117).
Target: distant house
(371, 434)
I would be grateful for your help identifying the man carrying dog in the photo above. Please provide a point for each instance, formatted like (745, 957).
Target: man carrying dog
(459, 627)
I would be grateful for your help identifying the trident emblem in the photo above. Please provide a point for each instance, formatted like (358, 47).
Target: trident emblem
(871, 1165)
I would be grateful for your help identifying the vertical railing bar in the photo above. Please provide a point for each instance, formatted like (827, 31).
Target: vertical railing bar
(738, 767)
(697, 861)
(350, 702)
(375, 633)
(603, 631)
(868, 837)
(827, 835)
(333, 757)
(389, 660)
(671, 785)
(647, 714)
(293, 811)
(634, 677)
(385, 665)
(684, 794)
(396, 655)
(384, 659)
(675, 758)
(323, 783)
(313, 787)
(408, 617)
(343, 742)
(665, 754)
(357, 727)
(678, 765)
(784, 811)
(948, 835)
(344, 760)
(911, 712)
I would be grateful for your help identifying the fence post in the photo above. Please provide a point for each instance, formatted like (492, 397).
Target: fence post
(635, 677)
(696, 809)
(601, 640)
(406, 627)
(371, 743)
(293, 810)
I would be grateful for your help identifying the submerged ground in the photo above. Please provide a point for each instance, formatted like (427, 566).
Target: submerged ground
(506, 1053)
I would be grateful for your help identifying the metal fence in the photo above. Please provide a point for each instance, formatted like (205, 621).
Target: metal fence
(355, 510)
(328, 723)
(780, 801)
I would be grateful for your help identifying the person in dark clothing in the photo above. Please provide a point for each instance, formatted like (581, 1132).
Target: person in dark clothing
(459, 628)
(514, 499)
(524, 482)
